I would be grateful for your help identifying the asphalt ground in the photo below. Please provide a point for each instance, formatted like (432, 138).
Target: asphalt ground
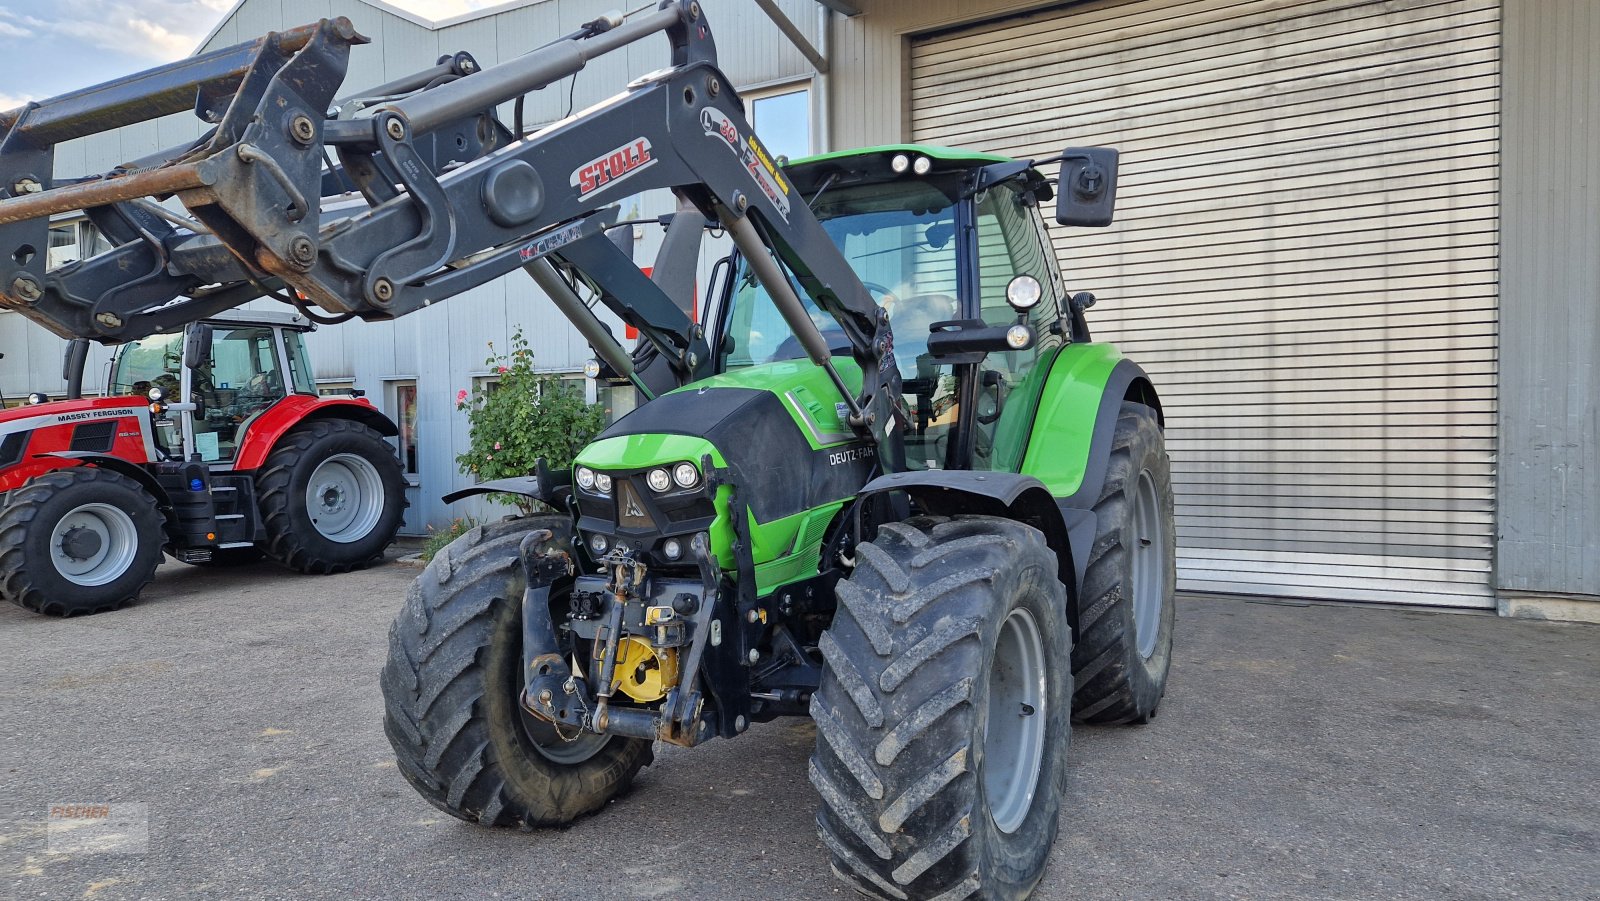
(1306, 752)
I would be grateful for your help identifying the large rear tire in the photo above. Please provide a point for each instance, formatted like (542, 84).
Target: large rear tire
(1124, 650)
(78, 541)
(331, 495)
(450, 691)
(943, 718)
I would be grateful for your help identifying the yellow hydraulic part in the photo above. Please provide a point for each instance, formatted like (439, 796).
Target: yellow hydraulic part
(644, 673)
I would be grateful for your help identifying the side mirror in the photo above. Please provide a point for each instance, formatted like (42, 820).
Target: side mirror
(1087, 192)
(197, 345)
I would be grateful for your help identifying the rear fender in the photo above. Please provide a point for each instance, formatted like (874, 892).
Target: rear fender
(1070, 447)
(1008, 495)
(263, 432)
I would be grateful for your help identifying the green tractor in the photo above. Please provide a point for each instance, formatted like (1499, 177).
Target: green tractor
(892, 485)
(731, 552)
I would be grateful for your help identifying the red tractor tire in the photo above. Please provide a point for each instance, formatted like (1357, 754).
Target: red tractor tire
(78, 541)
(331, 495)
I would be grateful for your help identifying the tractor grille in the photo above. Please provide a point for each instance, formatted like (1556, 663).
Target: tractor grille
(95, 437)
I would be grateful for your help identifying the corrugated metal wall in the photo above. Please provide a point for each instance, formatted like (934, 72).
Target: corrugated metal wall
(1550, 285)
(1304, 259)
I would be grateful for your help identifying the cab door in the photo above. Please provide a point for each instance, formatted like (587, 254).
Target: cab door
(232, 379)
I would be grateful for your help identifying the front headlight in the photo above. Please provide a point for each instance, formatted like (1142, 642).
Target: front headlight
(585, 478)
(686, 475)
(658, 479)
(602, 483)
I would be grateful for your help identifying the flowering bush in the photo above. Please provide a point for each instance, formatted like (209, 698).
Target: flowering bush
(523, 416)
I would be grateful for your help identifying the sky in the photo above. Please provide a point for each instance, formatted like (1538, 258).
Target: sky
(49, 47)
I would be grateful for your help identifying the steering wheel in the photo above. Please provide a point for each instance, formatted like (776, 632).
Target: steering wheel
(878, 290)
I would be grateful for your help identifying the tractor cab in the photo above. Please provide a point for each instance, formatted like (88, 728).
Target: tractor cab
(211, 380)
(952, 246)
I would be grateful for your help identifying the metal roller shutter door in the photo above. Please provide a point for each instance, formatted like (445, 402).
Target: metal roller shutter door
(1304, 258)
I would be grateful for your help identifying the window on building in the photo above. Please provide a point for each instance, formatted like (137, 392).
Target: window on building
(782, 119)
(618, 400)
(76, 239)
(403, 406)
(489, 384)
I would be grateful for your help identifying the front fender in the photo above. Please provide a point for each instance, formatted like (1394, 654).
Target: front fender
(1009, 495)
(551, 488)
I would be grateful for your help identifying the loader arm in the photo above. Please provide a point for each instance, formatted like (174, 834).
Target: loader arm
(416, 235)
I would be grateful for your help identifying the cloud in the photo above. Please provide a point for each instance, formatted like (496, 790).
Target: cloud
(10, 102)
(156, 30)
(140, 37)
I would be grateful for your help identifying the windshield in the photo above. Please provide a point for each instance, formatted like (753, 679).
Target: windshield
(899, 237)
(153, 362)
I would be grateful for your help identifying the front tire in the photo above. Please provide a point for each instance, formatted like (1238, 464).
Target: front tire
(331, 495)
(450, 690)
(1124, 648)
(78, 541)
(943, 718)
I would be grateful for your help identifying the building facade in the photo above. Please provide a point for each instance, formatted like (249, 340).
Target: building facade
(1356, 246)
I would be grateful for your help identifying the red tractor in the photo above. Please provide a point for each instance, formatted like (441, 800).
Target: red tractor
(212, 445)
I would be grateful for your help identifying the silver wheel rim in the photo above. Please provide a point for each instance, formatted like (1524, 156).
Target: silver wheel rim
(552, 747)
(345, 498)
(94, 544)
(1149, 566)
(1013, 736)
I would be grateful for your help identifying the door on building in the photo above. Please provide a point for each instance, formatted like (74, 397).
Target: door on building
(1304, 257)
(400, 399)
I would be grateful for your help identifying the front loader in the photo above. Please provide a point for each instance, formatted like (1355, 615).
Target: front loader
(891, 483)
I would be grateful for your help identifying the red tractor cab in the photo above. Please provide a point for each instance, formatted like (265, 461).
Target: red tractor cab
(212, 445)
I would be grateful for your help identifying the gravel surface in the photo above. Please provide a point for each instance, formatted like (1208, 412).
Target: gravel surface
(1313, 752)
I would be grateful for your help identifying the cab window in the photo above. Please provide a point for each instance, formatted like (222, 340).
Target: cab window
(1009, 245)
(900, 238)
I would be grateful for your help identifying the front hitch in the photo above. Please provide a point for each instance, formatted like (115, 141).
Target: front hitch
(554, 694)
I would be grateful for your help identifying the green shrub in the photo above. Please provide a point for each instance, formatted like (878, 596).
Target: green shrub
(525, 415)
(438, 538)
